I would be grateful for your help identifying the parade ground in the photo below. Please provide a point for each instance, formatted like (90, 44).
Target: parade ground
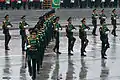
(61, 67)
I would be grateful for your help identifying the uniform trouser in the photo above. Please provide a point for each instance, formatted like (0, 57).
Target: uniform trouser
(13, 4)
(7, 6)
(2, 4)
(18, 5)
(57, 41)
(41, 57)
(114, 30)
(36, 4)
(23, 42)
(32, 68)
(24, 5)
(30, 4)
(105, 46)
(94, 29)
(84, 43)
(7, 39)
(71, 41)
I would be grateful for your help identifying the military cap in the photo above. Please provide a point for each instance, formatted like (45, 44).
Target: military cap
(56, 18)
(23, 17)
(102, 10)
(6, 16)
(94, 10)
(113, 10)
(83, 19)
(69, 18)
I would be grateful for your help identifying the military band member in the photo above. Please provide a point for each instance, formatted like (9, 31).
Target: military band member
(114, 21)
(104, 38)
(22, 26)
(69, 34)
(32, 53)
(102, 17)
(5, 26)
(57, 28)
(94, 22)
(83, 36)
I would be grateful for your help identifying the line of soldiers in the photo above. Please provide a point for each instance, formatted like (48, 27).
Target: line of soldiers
(20, 3)
(48, 28)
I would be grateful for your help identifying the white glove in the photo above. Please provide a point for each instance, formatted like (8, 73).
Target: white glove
(104, 17)
(28, 46)
(9, 26)
(114, 17)
(96, 16)
(26, 26)
(107, 32)
(86, 29)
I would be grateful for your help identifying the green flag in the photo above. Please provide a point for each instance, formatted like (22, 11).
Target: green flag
(55, 3)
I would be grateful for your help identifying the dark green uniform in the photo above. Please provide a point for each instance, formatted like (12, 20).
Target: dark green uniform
(102, 17)
(5, 27)
(114, 23)
(57, 27)
(94, 22)
(41, 51)
(32, 55)
(71, 39)
(23, 33)
(83, 37)
(104, 38)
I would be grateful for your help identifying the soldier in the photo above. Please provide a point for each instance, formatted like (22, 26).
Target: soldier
(94, 22)
(22, 27)
(104, 38)
(83, 36)
(102, 17)
(69, 34)
(57, 27)
(30, 4)
(6, 25)
(32, 53)
(114, 22)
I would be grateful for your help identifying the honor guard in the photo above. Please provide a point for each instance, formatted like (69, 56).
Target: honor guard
(104, 38)
(32, 53)
(57, 27)
(83, 36)
(114, 21)
(5, 26)
(102, 17)
(69, 34)
(94, 22)
(22, 27)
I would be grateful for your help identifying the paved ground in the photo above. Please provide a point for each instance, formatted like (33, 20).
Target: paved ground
(63, 67)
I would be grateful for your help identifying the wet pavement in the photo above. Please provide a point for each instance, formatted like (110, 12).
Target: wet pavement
(62, 67)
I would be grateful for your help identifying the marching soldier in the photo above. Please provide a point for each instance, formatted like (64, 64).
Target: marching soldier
(69, 34)
(114, 22)
(94, 22)
(102, 17)
(22, 27)
(57, 27)
(104, 38)
(6, 25)
(83, 36)
(32, 53)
